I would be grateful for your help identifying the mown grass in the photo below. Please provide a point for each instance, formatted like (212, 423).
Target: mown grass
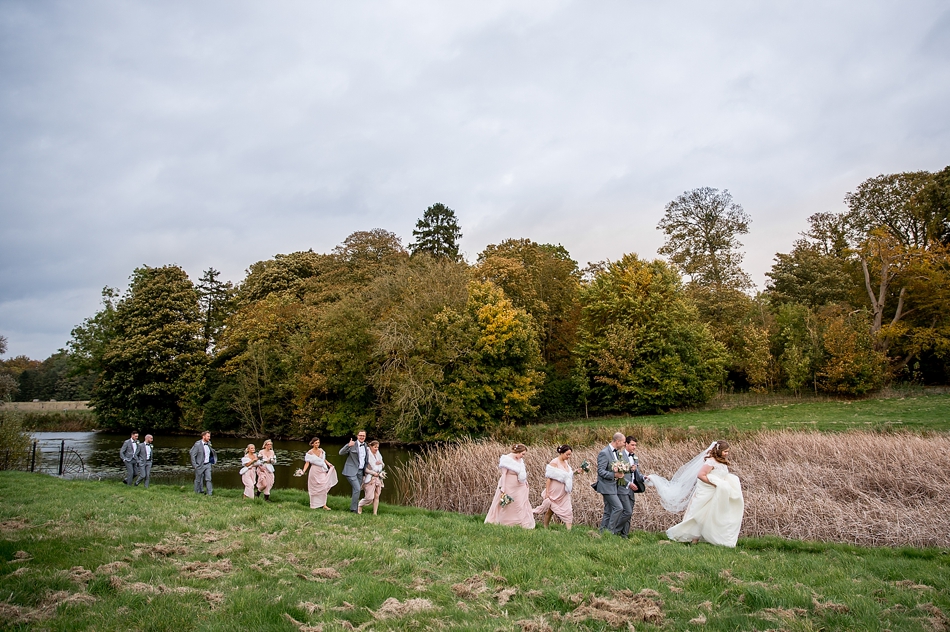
(83, 555)
(912, 413)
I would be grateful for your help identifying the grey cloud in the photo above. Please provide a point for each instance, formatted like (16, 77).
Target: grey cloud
(221, 133)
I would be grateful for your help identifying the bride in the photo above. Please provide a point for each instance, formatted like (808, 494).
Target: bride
(711, 496)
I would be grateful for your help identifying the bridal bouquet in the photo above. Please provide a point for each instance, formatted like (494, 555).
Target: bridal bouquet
(382, 474)
(505, 500)
(585, 466)
(298, 472)
(623, 467)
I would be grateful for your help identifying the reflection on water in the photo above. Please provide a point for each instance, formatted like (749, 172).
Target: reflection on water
(172, 466)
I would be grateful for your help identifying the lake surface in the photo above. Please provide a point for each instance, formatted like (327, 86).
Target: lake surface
(172, 466)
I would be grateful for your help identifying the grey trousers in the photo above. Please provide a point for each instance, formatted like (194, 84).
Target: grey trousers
(145, 471)
(617, 512)
(203, 478)
(356, 484)
(130, 471)
(626, 500)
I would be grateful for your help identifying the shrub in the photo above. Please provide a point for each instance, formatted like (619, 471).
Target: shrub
(14, 441)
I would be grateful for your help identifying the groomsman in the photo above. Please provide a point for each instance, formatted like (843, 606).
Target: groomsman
(355, 466)
(145, 460)
(626, 492)
(616, 511)
(128, 453)
(202, 458)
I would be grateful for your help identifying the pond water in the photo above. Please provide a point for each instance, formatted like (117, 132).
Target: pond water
(171, 464)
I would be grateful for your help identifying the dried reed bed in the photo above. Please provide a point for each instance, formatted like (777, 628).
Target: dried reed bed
(860, 488)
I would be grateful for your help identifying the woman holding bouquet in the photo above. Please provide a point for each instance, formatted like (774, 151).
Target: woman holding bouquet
(557, 491)
(249, 470)
(322, 475)
(511, 506)
(267, 458)
(373, 479)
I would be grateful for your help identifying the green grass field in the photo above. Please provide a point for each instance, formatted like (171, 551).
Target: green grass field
(84, 555)
(917, 413)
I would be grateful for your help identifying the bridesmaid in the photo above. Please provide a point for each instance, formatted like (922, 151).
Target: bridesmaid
(249, 470)
(512, 484)
(372, 481)
(267, 458)
(557, 490)
(322, 475)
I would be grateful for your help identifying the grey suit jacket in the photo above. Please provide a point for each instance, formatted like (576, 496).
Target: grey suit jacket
(606, 481)
(128, 451)
(197, 454)
(142, 456)
(623, 489)
(352, 465)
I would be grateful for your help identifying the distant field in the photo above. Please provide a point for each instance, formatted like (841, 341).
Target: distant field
(37, 407)
(919, 414)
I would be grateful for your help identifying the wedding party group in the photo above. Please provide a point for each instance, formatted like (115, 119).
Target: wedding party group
(363, 469)
(710, 495)
(137, 458)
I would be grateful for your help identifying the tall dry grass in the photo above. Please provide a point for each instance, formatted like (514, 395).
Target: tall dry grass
(859, 488)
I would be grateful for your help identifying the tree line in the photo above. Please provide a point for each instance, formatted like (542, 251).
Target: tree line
(414, 343)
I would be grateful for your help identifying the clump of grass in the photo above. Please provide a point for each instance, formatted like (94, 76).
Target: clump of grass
(859, 487)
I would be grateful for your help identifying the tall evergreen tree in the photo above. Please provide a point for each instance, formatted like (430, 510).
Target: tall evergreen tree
(215, 299)
(437, 233)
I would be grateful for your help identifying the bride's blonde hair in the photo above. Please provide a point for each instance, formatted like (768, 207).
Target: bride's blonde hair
(717, 450)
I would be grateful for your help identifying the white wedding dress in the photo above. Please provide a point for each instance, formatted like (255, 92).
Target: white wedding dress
(713, 512)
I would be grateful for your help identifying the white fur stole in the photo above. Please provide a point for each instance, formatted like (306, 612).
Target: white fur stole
(559, 475)
(508, 463)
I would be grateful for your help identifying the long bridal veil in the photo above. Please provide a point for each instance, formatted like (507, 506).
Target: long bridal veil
(675, 493)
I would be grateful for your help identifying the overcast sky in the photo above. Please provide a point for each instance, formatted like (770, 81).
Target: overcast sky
(217, 134)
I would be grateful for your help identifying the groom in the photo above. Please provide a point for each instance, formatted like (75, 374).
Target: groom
(355, 466)
(626, 492)
(617, 510)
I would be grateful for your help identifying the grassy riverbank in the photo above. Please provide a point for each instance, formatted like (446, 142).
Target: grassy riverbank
(96, 555)
(52, 421)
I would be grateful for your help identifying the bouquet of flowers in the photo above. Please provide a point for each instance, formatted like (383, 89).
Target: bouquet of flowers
(298, 472)
(623, 467)
(505, 499)
(585, 466)
(382, 474)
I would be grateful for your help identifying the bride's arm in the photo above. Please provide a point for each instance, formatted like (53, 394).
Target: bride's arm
(703, 474)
